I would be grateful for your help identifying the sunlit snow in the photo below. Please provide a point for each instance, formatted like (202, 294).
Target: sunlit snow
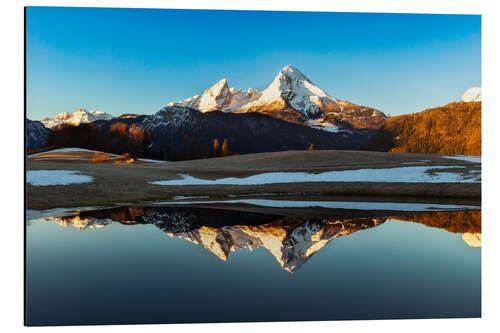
(414, 174)
(468, 158)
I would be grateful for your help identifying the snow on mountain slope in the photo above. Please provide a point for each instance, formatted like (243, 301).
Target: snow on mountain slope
(80, 116)
(218, 97)
(175, 116)
(292, 97)
(291, 87)
(472, 95)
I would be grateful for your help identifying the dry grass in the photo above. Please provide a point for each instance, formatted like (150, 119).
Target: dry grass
(125, 159)
(100, 158)
(115, 183)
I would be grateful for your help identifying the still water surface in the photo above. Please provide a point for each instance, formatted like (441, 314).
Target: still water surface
(186, 264)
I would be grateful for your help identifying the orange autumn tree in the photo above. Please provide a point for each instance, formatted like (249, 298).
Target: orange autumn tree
(454, 128)
(118, 134)
(225, 148)
(136, 139)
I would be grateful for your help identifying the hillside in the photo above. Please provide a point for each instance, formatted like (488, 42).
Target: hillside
(36, 134)
(180, 133)
(451, 129)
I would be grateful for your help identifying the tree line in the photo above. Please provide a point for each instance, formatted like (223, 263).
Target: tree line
(121, 138)
(451, 129)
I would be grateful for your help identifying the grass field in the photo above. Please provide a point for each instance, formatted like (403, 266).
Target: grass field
(129, 183)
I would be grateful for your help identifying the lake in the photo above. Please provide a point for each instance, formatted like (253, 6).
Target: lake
(185, 264)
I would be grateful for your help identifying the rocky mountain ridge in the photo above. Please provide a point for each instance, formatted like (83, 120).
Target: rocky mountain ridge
(291, 96)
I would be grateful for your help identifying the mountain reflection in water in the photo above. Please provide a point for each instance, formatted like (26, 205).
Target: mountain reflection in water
(292, 240)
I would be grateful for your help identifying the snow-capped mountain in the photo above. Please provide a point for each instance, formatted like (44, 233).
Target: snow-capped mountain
(291, 96)
(219, 97)
(472, 95)
(472, 239)
(292, 88)
(80, 116)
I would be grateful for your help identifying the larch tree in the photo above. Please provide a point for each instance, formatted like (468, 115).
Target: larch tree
(225, 148)
(216, 148)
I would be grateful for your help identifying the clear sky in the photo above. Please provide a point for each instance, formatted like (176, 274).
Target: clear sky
(138, 60)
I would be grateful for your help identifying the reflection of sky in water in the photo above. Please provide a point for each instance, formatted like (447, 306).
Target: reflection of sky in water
(137, 274)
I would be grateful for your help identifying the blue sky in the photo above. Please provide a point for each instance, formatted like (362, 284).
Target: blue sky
(138, 60)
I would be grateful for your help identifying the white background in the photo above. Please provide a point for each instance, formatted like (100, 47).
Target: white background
(11, 93)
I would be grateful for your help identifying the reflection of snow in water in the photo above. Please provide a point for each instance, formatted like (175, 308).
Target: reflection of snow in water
(473, 240)
(399, 206)
(56, 177)
(415, 174)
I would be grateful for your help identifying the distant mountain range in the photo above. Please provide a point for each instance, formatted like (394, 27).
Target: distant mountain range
(80, 116)
(291, 113)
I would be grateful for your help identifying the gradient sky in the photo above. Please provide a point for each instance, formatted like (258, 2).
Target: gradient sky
(138, 60)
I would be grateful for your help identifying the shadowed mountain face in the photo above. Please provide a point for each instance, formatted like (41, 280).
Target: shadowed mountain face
(181, 133)
(291, 240)
(36, 134)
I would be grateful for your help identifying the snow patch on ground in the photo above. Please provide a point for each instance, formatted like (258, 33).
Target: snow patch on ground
(417, 207)
(67, 150)
(468, 158)
(150, 161)
(182, 197)
(415, 174)
(56, 177)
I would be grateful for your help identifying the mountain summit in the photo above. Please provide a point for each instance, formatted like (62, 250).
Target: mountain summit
(219, 97)
(80, 116)
(472, 95)
(291, 96)
(293, 89)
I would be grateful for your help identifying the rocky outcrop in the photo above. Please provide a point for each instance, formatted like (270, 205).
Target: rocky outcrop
(36, 134)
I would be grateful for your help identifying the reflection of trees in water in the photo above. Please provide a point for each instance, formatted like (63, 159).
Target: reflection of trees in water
(456, 222)
(291, 240)
(467, 223)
